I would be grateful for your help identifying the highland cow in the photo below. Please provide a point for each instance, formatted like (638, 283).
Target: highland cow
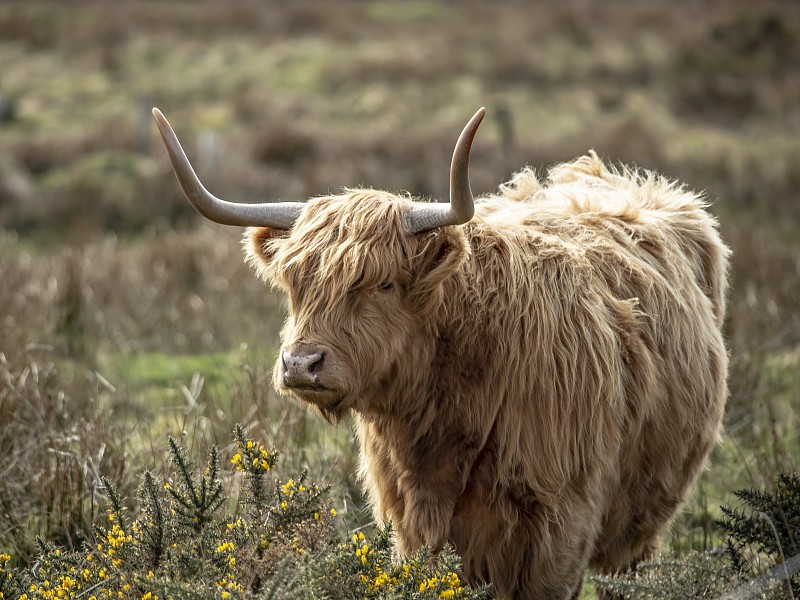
(536, 377)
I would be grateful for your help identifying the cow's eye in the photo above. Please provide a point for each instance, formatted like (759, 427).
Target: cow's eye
(386, 286)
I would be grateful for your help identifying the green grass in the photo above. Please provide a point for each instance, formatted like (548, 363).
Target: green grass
(160, 370)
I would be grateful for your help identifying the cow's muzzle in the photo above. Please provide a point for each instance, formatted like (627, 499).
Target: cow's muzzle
(302, 365)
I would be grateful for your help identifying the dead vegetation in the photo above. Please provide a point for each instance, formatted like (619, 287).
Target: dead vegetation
(100, 257)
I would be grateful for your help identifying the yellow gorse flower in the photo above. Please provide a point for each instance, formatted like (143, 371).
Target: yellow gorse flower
(225, 547)
(363, 550)
(451, 580)
(253, 455)
(226, 585)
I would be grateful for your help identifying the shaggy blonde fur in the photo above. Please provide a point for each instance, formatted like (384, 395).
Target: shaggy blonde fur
(540, 386)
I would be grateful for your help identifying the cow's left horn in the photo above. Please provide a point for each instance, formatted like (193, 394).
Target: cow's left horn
(424, 217)
(280, 215)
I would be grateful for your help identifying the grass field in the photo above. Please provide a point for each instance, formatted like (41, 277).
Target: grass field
(125, 318)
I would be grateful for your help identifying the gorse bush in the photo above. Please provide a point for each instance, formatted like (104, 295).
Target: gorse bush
(365, 568)
(759, 537)
(275, 540)
(767, 531)
(694, 575)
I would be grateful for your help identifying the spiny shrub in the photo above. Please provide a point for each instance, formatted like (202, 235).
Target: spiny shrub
(694, 575)
(767, 532)
(366, 568)
(760, 535)
(276, 540)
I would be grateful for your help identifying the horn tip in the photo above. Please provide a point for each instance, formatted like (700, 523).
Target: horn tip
(161, 120)
(163, 125)
(476, 119)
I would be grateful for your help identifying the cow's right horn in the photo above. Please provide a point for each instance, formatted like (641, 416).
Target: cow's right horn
(279, 215)
(424, 217)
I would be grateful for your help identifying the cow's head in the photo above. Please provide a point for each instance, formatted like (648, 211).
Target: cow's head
(363, 271)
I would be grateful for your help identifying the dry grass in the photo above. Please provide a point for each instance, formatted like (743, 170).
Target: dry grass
(57, 444)
(107, 280)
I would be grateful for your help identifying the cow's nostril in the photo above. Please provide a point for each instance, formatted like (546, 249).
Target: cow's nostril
(315, 365)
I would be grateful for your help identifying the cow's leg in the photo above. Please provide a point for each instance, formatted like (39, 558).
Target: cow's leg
(555, 574)
(432, 478)
(577, 593)
(426, 519)
(647, 553)
(522, 547)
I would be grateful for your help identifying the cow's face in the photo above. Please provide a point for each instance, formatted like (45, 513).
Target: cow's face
(361, 292)
(364, 273)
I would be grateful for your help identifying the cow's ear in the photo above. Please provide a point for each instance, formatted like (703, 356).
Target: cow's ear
(441, 256)
(259, 247)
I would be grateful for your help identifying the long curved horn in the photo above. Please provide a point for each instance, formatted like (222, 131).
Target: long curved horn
(424, 217)
(279, 215)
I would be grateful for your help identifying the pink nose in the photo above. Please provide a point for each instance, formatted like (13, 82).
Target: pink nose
(301, 365)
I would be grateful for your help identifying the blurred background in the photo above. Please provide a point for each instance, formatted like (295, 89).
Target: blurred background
(125, 317)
